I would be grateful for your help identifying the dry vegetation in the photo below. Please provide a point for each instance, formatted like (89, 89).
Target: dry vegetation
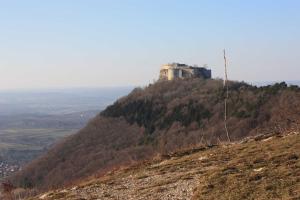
(160, 119)
(262, 168)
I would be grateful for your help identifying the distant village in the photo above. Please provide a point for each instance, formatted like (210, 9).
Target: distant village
(7, 169)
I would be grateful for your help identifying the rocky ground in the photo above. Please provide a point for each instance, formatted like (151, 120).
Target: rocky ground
(265, 167)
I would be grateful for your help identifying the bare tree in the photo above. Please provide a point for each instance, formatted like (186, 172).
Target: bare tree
(226, 96)
(7, 189)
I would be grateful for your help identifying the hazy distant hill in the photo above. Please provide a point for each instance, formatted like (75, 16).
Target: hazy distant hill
(161, 118)
(58, 101)
(264, 83)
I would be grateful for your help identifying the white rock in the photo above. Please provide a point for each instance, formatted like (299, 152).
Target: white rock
(258, 170)
(74, 188)
(43, 196)
(202, 158)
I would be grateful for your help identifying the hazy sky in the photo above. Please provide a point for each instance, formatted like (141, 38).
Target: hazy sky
(61, 43)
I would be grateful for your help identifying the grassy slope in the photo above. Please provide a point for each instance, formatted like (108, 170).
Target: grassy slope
(261, 168)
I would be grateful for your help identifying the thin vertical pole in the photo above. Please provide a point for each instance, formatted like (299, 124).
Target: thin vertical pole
(226, 97)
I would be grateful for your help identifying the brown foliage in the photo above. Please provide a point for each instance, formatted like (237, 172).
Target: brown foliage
(7, 189)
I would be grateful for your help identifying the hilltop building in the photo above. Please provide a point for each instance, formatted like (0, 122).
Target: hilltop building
(177, 70)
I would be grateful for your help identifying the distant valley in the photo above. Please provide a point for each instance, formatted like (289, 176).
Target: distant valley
(32, 121)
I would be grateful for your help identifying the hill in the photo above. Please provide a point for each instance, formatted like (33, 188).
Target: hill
(162, 118)
(259, 168)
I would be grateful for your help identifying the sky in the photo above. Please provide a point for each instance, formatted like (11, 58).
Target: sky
(99, 43)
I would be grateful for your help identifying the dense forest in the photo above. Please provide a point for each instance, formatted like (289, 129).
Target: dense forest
(162, 118)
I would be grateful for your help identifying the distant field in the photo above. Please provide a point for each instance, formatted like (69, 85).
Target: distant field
(31, 121)
(24, 137)
(36, 133)
(19, 146)
(31, 138)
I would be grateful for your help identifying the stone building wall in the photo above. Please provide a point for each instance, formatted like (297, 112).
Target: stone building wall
(176, 70)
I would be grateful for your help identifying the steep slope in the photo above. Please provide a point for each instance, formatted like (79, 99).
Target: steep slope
(259, 168)
(162, 118)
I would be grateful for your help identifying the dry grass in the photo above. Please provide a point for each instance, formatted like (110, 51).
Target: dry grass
(265, 168)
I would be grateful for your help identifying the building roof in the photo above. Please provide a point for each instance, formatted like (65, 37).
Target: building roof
(178, 66)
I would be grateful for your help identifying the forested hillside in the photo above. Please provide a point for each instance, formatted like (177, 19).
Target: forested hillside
(162, 118)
